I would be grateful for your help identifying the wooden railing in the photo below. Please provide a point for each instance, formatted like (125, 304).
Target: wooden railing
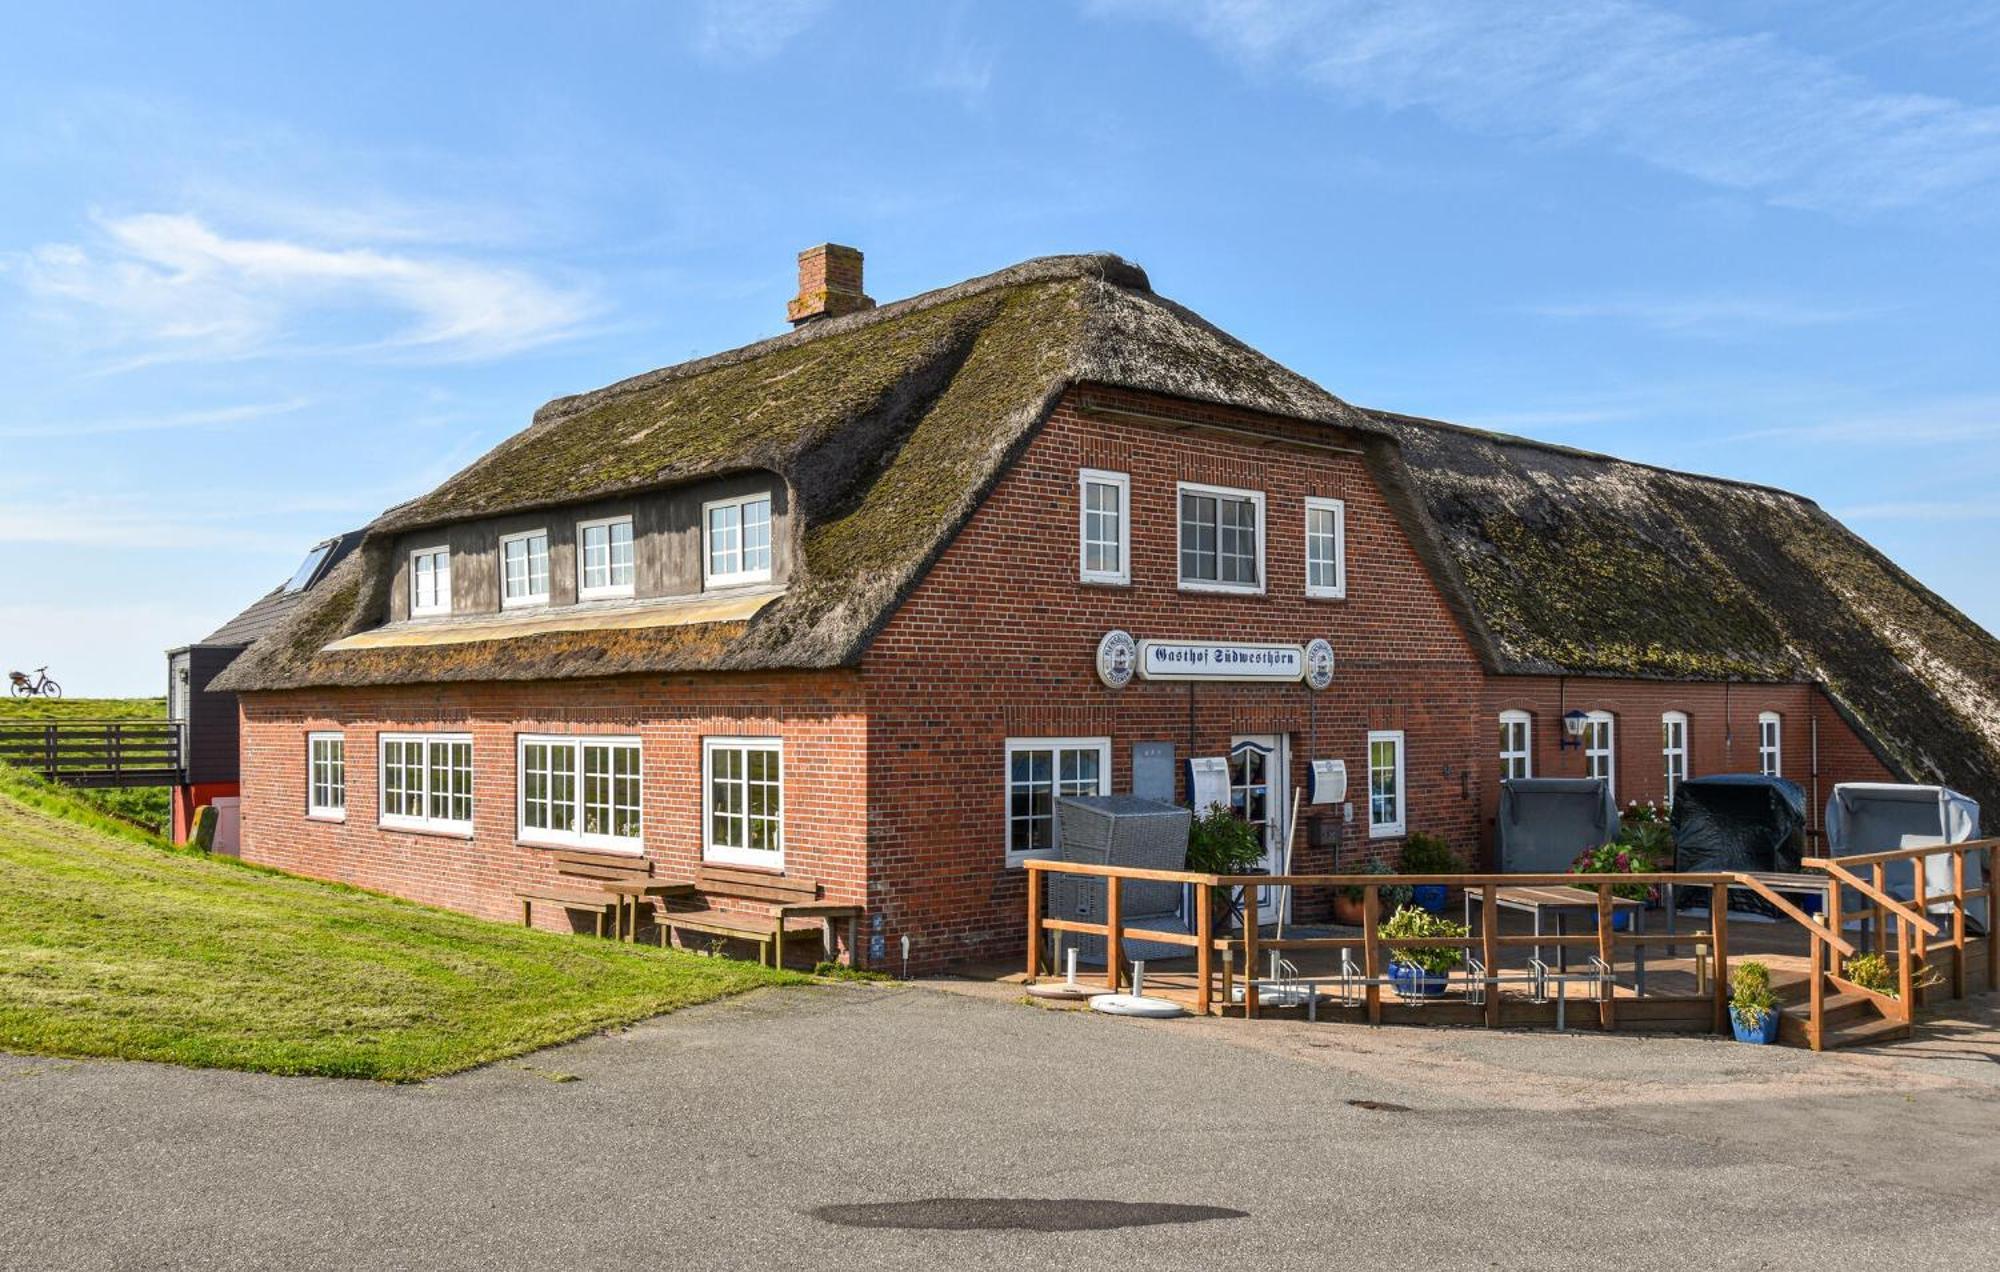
(97, 752)
(1827, 940)
(1919, 935)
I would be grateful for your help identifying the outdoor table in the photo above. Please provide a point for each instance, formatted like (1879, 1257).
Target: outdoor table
(629, 892)
(1559, 903)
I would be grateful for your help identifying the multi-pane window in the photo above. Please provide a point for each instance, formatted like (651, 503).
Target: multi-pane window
(1385, 784)
(743, 801)
(1600, 748)
(427, 781)
(1770, 739)
(1674, 750)
(430, 581)
(580, 790)
(524, 568)
(1517, 756)
(326, 775)
(604, 558)
(1039, 772)
(1105, 502)
(1326, 547)
(1221, 539)
(737, 535)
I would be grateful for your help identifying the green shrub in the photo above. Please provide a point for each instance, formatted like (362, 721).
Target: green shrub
(1871, 971)
(1408, 921)
(1394, 895)
(1750, 994)
(1220, 842)
(1428, 854)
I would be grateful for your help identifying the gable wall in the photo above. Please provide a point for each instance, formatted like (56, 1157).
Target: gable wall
(999, 641)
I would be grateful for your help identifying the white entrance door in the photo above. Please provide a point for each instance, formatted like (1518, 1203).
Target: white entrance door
(1257, 768)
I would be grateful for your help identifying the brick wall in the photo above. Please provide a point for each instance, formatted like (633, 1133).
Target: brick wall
(1000, 641)
(1722, 734)
(817, 715)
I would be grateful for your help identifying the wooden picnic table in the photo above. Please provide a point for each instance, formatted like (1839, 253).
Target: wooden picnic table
(1559, 902)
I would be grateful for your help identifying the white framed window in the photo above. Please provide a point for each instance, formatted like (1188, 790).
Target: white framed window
(524, 568)
(578, 791)
(736, 541)
(1386, 797)
(430, 581)
(743, 801)
(1600, 748)
(1326, 547)
(326, 776)
(1039, 772)
(1674, 750)
(1517, 749)
(1104, 519)
(426, 782)
(1221, 539)
(604, 558)
(1770, 744)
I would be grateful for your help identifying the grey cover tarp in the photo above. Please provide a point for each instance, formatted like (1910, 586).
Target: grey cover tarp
(1121, 830)
(1868, 817)
(1545, 822)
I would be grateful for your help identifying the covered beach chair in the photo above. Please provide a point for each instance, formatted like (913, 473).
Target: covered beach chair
(1733, 822)
(1545, 822)
(1867, 817)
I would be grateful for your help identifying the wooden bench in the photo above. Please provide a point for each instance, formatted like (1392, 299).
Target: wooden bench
(779, 908)
(580, 884)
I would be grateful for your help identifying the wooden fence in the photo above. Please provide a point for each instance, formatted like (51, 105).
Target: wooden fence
(97, 752)
(1485, 976)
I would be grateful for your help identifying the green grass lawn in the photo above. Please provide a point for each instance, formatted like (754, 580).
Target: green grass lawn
(148, 806)
(112, 945)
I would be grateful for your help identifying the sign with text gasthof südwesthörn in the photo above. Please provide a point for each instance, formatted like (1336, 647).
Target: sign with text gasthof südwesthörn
(1219, 660)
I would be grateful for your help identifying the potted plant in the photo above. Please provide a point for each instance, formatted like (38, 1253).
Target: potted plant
(1424, 971)
(1753, 1008)
(1220, 842)
(1428, 855)
(1347, 900)
(1621, 857)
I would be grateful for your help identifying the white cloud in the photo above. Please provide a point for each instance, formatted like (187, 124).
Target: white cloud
(110, 650)
(1745, 112)
(738, 32)
(174, 289)
(1704, 315)
(246, 523)
(1961, 419)
(171, 421)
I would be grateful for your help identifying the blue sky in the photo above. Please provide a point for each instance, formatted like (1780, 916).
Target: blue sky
(265, 270)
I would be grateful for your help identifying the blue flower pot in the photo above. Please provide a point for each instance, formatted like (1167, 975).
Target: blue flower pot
(1429, 896)
(1763, 1033)
(1621, 920)
(1414, 982)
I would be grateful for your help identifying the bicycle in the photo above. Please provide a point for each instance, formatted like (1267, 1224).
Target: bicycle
(39, 686)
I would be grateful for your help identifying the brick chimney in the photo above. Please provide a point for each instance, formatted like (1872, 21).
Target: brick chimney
(829, 284)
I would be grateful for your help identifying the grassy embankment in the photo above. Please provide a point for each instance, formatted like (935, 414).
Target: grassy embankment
(113, 944)
(150, 807)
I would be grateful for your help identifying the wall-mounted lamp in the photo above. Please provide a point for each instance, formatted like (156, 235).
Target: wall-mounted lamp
(1574, 723)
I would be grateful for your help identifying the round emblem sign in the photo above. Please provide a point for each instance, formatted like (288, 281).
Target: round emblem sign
(1117, 656)
(1319, 663)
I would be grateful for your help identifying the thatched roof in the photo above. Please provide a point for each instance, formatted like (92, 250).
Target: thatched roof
(1582, 564)
(888, 425)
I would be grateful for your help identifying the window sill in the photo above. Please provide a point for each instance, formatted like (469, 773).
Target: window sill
(734, 582)
(433, 829)
(1385, 832)
(724, 857)
(1325, 596)
(527, 602)
(330, 818)
(622, 848)
(1104, 582)
(606, 594)
(1220, 589)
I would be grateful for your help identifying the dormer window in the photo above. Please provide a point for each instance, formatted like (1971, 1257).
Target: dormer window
(524, 568)
(604, 558)
(430, 581)
(736, 536)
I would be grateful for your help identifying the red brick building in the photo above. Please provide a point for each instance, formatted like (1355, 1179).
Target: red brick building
(859, 602)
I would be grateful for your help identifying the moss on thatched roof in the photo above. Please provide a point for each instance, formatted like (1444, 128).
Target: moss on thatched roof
(888, 426)
(1583, 564)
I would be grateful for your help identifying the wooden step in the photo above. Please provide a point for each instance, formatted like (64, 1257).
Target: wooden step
(1866, 1032)
(1845, 1006)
